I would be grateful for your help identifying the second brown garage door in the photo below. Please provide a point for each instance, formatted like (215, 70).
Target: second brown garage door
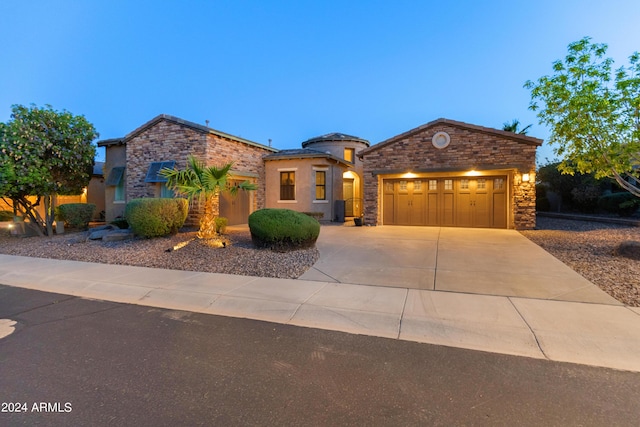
(452, 202)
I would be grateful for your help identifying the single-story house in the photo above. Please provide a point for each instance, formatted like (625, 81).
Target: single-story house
(444, 173)
(449, 173)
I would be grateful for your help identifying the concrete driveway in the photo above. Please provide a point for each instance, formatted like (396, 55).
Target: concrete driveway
(465, 260)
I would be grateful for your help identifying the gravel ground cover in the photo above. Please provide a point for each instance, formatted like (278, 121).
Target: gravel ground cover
(589, 249)
(586, 247)
(240, 256)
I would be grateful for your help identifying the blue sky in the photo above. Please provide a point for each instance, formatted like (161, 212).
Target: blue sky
(292, 70)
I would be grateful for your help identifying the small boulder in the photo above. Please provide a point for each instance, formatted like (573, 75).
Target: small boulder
(629, 249)
(103, 227)
(117, 235)
(97, 235)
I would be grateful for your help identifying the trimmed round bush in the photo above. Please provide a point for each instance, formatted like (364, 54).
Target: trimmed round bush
(156, 217)
(623, 204)
(283, 229)
(76, 215)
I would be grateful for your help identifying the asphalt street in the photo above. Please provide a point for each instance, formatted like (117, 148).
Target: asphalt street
(73, 361)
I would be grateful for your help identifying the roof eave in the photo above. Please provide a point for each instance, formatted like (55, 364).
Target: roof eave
(308, 156)
(510, 135)
(197, 127)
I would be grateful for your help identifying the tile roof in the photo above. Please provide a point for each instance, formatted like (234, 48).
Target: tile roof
(335, 136)
(300, 153)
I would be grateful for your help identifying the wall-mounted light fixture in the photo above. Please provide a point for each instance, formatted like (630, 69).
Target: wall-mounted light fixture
(525, 177)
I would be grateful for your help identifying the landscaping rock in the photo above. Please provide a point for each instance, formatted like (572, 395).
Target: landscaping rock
(117, 235)
(629, 249)
(97, 235)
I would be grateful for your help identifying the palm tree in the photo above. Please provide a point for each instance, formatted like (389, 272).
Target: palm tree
(513, 127)
(204, 183)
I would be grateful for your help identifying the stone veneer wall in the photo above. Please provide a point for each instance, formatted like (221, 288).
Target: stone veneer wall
(468, 149)
(246, 158)
(167, 140)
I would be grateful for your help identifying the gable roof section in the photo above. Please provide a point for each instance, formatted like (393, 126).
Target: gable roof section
(191, 125)
(529, 140)
(304, 153)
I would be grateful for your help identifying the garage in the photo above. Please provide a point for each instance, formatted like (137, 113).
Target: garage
(448, 202)
(451, 174)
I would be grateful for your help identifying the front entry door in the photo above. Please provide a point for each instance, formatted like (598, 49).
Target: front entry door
(235, 208)
(347, 192)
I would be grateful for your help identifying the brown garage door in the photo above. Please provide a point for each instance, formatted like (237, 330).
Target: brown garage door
(452, 202)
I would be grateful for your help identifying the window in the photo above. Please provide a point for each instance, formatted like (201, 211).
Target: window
(498, 184)
(349, 155)
(417, 185)
(116, 180)
(155, 168)
(403, 185)
(287, 185)
(165, 191)
(464, 184)
(433, 184)
(118, 195)
(482, 184)
(388, 186)
(321, 185)
(448, 184)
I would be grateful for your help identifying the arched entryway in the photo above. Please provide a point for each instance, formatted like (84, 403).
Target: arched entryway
(352, 194)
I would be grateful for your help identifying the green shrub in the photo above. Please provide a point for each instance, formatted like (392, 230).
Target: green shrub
(542, 201)
(6, 216)
(75, 215)
(283, 229)
(543, 204)
(221, 224)
(156, 217)
(623, 204)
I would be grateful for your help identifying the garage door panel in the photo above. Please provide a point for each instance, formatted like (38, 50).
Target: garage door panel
(463, 210)
(499, 210)
(448, 210)
(432, 209)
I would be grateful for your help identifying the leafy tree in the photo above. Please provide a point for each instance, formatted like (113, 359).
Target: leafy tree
(44, 152)
(579, 191)
(514, 127)
(593, 113)
(204, 183)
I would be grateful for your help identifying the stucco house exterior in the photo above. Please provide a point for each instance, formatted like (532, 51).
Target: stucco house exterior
(304, 180)
(449, 173)
(133, 163)
(443, 173)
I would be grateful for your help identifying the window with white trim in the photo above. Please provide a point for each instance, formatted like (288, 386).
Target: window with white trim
(321, 185)
(287, 185)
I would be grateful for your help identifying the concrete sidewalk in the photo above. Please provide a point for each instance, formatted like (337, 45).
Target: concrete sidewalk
(446, 292)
